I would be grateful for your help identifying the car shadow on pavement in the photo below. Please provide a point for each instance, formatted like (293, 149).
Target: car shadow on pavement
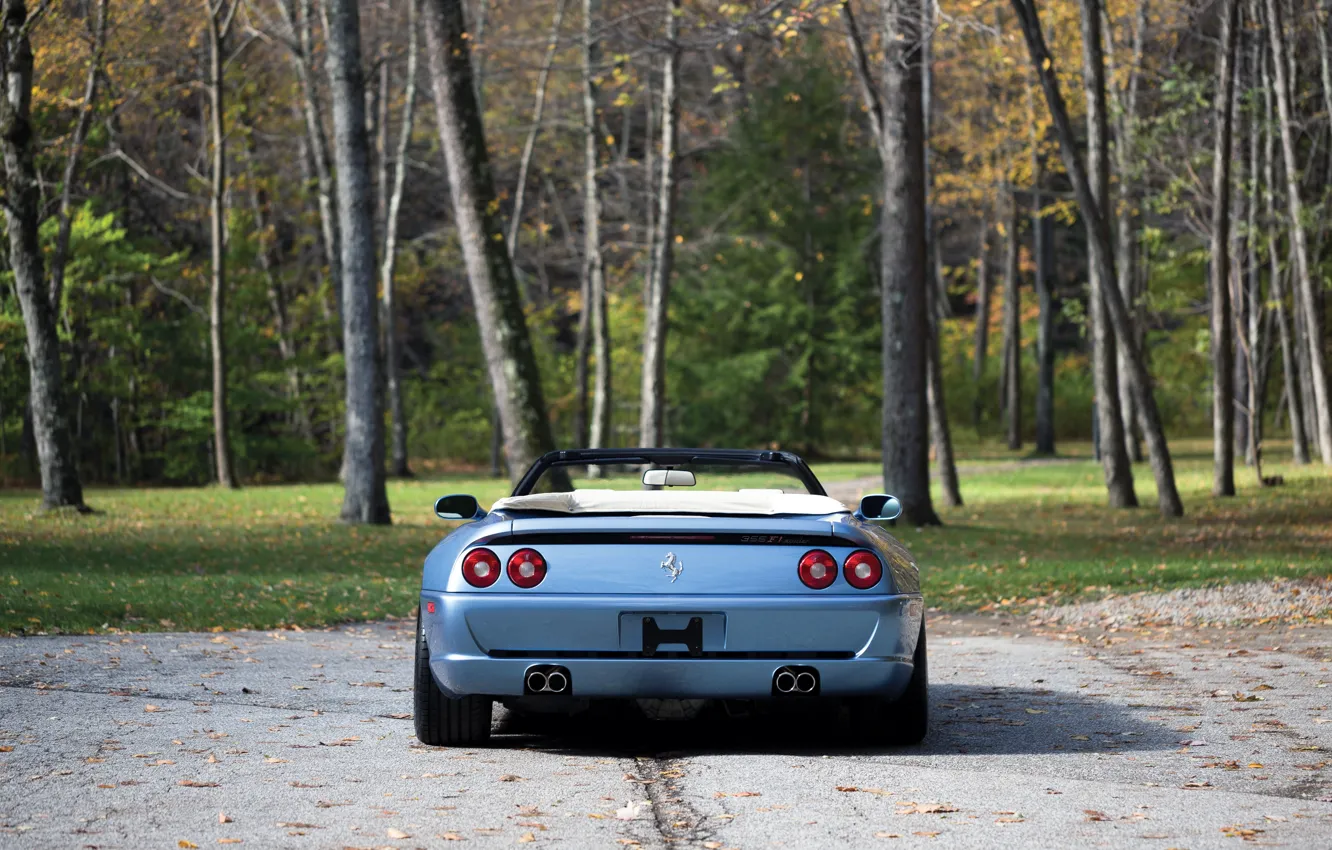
(963, 719)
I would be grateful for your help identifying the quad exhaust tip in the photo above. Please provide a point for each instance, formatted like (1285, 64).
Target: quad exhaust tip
(795, 681)
(546, 679)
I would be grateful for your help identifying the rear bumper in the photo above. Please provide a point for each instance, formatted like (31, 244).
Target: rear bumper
(860, 644)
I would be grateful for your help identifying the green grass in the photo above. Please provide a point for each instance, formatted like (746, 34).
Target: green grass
(271, 556)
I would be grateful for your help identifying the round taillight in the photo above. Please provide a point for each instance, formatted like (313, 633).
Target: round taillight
(818, 569)
(863, 569)
(481, 568)
(527, 568)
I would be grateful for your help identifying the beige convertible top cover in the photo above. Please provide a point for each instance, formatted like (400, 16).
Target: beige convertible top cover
(751, 502)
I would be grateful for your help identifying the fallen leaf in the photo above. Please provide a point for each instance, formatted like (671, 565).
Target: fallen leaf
(1010, 820)
(924, 834)
(509, 777)
(526, 838)
(194, 783)
(6, 749)
(1094, 815)
(299, 825)
(629, 812)
(151, 708)
(450, 836)
(223, 817)
(274, 760)
(186, 845)
(912, 808)
(231, 841)
(887, 835)
(1080, 738)
(392, 832)
(1035, 711)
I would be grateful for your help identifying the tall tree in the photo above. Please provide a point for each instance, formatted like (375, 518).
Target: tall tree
(1322, 402)
(1289, 358)
(538, 114)
(937, 305)
(397, 409)
(220, 14)
(510, 360)
(652, 415)
(365, 499)
(1012, 326)
(592, 264)
(1223, 378)
(897, 116)
(57, 461)
(1124, 97)
(983, 293)
(1114, 457)
(1102, 249)
(1041, 245)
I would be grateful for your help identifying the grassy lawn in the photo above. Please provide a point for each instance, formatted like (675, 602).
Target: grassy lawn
(270, 556)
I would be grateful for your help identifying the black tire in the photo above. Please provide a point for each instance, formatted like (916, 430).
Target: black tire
(902, 721)
(441, 721)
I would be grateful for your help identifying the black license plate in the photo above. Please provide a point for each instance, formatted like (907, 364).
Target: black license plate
(691, 636)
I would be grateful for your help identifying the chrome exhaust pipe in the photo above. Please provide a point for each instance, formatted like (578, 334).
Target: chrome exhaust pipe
(537, 681)
(805, 682)
(784, 681)
(556, 682)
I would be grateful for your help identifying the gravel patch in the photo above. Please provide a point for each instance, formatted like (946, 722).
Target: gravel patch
(1278, 601)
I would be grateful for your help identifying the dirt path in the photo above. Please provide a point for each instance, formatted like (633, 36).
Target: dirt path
(302, 739)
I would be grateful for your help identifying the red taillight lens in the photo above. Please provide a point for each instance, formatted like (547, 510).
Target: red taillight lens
(481, 568)
(863, 569)
(818, 569)
(527, 568)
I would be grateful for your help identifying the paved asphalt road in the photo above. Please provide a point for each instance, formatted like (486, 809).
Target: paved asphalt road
(303, 740)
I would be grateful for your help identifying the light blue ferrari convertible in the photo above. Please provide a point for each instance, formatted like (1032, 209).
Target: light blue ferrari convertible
(671, 577)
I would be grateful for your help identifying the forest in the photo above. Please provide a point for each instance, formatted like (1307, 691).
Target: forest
(260, 241)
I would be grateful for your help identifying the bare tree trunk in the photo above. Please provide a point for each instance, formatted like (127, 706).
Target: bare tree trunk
(1303, 273)
(1114, 457)
(398, 464)
(982, 317)
(936, 292)
(56, 458)
(1289, 359)
(1102, 248)
(538, 111)
(582, 344)
(64, 216)
(1012, 396)
(650, 182)
(653, 397)
(905, 278)
(1125, 100)
(510, 360)
(365, 499)
(592, 265)
(218, 23)
(1223, 386)
(940, 436)
(1041, 239)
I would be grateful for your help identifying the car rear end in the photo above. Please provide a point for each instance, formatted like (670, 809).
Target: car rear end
(671, 607)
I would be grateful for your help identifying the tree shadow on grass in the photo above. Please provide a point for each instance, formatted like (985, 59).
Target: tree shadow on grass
(968, 719)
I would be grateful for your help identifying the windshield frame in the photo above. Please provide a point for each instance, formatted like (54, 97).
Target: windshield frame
(791, 464)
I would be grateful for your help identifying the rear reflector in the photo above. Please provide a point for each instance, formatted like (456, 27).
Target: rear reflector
(481, 568)
(527, 568)
(863, 569)
(818, 569)
(430, 607)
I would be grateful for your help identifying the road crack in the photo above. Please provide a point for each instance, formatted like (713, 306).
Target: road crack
(678, 824)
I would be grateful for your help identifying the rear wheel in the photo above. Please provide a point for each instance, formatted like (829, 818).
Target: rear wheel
(904, 720)
(441, 721)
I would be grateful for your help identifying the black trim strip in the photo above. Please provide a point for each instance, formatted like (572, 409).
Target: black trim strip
(535, 538)
(741, 656)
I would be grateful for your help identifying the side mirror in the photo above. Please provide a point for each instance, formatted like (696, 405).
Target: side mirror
(458, 506)
(668, 478)
(878, 506)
